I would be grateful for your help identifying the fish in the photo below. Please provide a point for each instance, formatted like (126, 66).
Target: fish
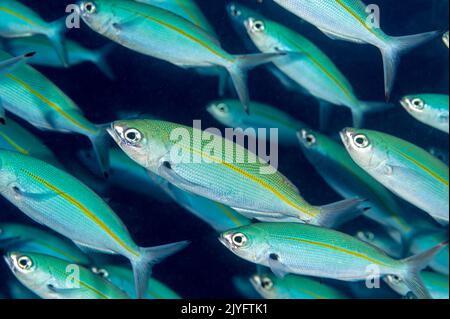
(430, 109)
(18, 21)
(196, 162)
(353, 21)
(122, 277)
(53, 278)
(436, 284)
(10, 64)
(14, 137)
(440, 263)
(139, 180)
(292, 248)
(306, 65)
(28, 94)
(46, 55)
(293, 287)
(217, 215)
(332, 161)
(42, 191)
(445, 39)
(32, 239)
(402, 167)
(18, 291)
(230, 114)
(173, 38)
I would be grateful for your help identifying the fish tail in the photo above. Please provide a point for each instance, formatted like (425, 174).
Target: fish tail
(238, 72)
(55, 34)
(395, 47)
(100, 143)
(142, 265)
(414, 265)
(364, 108)
(336, 214)
(101, 61)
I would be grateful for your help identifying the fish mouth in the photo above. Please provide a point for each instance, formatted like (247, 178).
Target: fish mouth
(10, 260)
(405, 104)
(116, 132)
(255, 280)
(225, 239)
(347, 136)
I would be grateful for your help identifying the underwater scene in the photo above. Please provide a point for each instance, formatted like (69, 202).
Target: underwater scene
(216, 149)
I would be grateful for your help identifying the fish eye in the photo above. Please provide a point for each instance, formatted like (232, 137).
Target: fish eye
(24, 263)
(133, 136)
(239, 239)
(234, 11)
(366, 235)
(418, 104)
(258, 26)
(266, 283)
(90, 7)
(361, 141)
(310, 139)
(223, 108)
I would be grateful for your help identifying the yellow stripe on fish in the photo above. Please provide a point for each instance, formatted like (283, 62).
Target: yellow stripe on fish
(13, 144)
(18, 15)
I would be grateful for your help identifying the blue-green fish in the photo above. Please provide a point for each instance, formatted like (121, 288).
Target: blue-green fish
(405, 169)
(59, 201)
(9, 64)
(46, 55)
(436, 284)
(164, 35)
(16, 290)
(122, 278)
(54, 278)
(353, 21)
(305, 64)
(32, 239)
(30, 95)
(445, 39)
(337, 168)
(219, 169)
(230, 114)
(219, 216)
(18, 21)
(430, 109)
(293, 287)
(321, 252)
(378, 237)
(426, 240)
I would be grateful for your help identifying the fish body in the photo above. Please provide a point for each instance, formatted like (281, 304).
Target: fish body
(167, 36)
(46, 55)
(14, 137)
(336, 166)
(17, 21)
(30, 95)
(405, 169)
(289, 248)
(32, 239)
(305, 63)
(353, 21)
(436, 284)
(221, 171)
(293, 287)
(59, 201)
(230, 114)
(54, 278)
(122, 277)
(430, 109)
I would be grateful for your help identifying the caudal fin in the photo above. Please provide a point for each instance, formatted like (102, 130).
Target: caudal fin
(101, 143)
(395, 47)
(9, 64)
(238, 72)
(100, 59)
(414, 265)
(336, 214)
(142, 266)
(365, 108)
(56, 34)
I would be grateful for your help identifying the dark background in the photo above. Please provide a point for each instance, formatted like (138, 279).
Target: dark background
(147, 85)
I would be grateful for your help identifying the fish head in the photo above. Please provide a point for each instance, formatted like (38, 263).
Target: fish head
(415, 105)
(308, 138)
(246, 242)
(99, 15)
(264, 34)
(7, 170)
(264, 284)
(365, 147)
(227, 112)
(22, 263)
(139, 141)
(397, 284)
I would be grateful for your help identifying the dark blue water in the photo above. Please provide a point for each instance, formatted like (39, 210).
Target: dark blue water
(147, 85)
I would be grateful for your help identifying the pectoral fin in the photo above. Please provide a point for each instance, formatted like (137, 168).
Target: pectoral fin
(38, 197)
(278, 268)
(166, 171)
(66, 293)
